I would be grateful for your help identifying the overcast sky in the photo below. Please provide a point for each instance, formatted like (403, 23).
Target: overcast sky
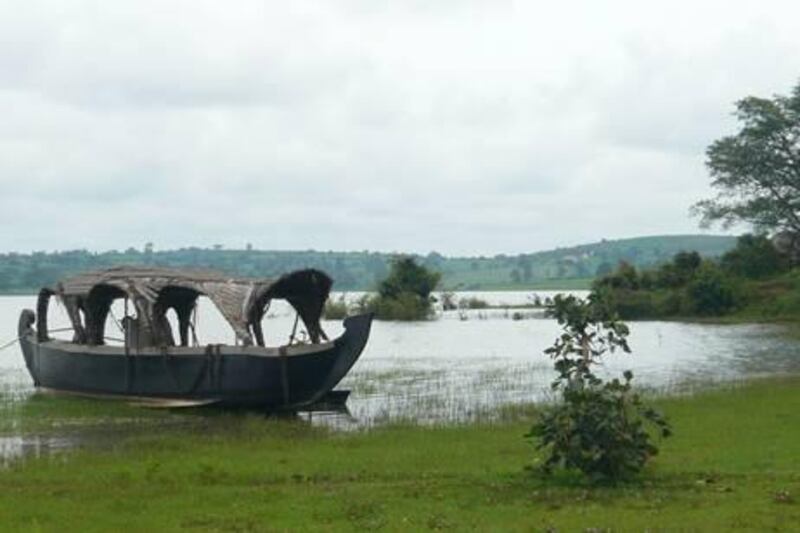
(464, 127)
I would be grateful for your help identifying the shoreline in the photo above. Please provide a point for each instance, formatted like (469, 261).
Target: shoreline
(255, 473)
(502, 288)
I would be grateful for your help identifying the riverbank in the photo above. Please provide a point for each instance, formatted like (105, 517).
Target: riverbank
(733, 464)
(722, 299)
(571, 284)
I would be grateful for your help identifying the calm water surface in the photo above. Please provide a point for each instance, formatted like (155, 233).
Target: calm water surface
(462, 366)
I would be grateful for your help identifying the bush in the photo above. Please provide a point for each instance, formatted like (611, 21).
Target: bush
(335, 310)
(711, 292)
(598, 428)
(628, 303)
(406, 276)
(405, 306)
(677, 272)
(473, 302)
(624, 277)
(686, 286)
(448, 300)
(405, 294)
(754, 257)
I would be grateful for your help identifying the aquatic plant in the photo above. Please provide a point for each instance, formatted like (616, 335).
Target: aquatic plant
(335, 309)
(473, 302)
(597, 427)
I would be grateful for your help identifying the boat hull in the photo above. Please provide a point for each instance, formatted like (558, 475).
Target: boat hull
(274, 378)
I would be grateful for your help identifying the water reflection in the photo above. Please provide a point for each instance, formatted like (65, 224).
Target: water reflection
(16, 447)
(465, 365)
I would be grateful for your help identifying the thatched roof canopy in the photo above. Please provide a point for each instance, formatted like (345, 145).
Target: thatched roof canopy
(154, 290)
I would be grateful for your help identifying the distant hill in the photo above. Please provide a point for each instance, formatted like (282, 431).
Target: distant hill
(583, 262)
(560, 268)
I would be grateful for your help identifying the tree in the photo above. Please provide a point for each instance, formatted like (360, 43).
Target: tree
(710, 292)
(603, 269)
(679, 271)
(406, 292)
(756, 172)
(405, 275)
(754, 257)
(687, 262)
(599, 427)
(624, 277)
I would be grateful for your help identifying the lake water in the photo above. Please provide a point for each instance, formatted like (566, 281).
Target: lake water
(464, 365)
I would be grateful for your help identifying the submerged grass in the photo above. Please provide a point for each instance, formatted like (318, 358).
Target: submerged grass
(44, 413)
(732, 465)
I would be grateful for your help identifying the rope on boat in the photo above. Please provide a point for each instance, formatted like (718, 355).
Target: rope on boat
(11, 343)
(60, 330)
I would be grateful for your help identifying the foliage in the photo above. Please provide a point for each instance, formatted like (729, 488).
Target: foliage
(756, 172)
(562, 268)
(448, 299)
(406, 276)
(685, 286)
(711, 292)
(473, 302)
(405, 306)
(598, 427)
(624, 277)
(406, 293)
(775, 298)
(754, 257)
(335, 309)
(678, 272)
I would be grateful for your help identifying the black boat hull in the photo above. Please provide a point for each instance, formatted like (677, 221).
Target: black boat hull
(274, 378)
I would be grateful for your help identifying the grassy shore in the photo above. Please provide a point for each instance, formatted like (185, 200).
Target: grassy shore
(734, 464)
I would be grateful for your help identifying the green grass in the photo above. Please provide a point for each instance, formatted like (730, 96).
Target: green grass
(46, 413)
(734, 464)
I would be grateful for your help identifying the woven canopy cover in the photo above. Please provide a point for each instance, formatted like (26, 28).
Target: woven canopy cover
(241, 301)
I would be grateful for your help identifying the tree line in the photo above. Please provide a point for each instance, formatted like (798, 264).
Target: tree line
(364, 270)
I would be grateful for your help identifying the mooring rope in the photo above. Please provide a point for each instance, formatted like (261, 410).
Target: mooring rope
(9, 344)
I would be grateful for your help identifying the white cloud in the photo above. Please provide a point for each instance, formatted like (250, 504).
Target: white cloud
(465, 127)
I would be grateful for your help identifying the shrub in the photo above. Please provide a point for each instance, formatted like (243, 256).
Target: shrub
(624, 277)
(711, 292)
(754, 257)
(628, 303)
(405, 294)
(687, 285)
(406, 276)
(448, 300)
(405, 306)
(598, 428)
(335, 310)
(677, 272)
(473, 302)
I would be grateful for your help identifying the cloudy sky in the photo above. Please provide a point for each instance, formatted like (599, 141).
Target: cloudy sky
(465, 127)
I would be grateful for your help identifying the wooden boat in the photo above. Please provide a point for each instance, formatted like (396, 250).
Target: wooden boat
(150, 366)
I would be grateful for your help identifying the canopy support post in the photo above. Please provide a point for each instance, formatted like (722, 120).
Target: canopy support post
(294, 329)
